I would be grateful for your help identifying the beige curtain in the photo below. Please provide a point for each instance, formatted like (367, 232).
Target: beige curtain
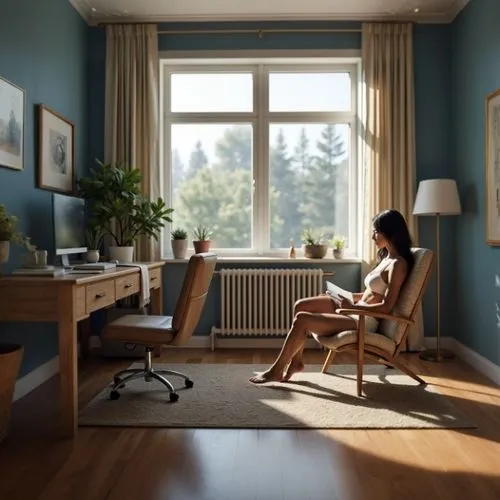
(131, 114)
(388, 116)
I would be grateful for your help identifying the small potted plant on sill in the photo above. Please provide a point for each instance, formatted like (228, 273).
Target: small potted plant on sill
(179, 243)
(338, 247)
(201, 239)
(115, 202)
(9, 233)
(314, 246)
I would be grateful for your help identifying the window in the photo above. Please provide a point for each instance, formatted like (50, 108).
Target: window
(261, 152)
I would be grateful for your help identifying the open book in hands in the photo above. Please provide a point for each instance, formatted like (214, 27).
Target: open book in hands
(337, 292)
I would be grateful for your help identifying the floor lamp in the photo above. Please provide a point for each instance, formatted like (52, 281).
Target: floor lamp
(437, 197)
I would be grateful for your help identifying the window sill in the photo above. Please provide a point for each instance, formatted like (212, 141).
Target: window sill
(272, 260)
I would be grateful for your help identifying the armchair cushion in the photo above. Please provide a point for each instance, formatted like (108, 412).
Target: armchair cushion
(409, 295)
(350, 336)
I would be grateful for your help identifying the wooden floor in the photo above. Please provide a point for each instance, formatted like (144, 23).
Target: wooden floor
(198, 464)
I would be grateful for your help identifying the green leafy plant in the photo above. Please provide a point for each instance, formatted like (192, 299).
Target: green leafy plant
(116, 204)
(94, 236)
(179, 234)
(9, 232)
(312, 237)
(339, 242)
(202, 233)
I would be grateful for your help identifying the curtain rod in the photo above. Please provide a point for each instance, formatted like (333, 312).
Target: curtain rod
(258, 32)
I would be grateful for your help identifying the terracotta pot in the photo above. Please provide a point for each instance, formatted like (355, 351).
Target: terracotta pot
(10, 361)
(201, 246)
(179, 248)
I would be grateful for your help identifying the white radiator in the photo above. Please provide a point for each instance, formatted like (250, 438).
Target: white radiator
(260, 301)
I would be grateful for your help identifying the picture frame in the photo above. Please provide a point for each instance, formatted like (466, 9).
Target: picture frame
(56, 151)
(493, 168)
(12, 122)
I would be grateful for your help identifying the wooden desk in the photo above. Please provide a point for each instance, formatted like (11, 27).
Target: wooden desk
(66, 300)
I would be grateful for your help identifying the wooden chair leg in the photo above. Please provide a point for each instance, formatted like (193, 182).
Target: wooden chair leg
(405, 369)
(328, 361)
(361, 360)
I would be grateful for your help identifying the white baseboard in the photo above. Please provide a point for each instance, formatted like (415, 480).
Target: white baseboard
(33, 379)
(472, 358)
(36, 377)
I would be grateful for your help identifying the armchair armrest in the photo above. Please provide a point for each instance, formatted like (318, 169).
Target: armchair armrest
(375, 314)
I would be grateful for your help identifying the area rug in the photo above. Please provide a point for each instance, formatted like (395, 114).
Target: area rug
(222, 397)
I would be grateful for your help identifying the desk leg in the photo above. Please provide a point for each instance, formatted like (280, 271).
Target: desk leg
(157, 310)
(68, 362)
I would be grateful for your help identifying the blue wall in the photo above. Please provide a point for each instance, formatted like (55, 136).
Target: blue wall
(433, 110)
(44, 51)
(475, 74)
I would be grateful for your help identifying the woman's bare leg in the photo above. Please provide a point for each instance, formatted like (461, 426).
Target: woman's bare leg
(318, 304)
(319, 323)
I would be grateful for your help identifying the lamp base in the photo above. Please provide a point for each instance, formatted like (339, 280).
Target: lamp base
(436, 356)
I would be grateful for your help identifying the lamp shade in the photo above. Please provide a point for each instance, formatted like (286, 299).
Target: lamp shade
(437, 196)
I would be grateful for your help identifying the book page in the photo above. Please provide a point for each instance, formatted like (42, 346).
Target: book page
(337, 292)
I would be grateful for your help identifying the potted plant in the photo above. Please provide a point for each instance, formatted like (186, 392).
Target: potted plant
(8, 233)
(118, 207)
(179, 243)
(94, 236)
(314, 246)
(201, 239)
(338, 247)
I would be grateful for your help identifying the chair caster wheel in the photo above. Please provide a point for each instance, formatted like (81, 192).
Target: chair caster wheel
(117, 383)
(188, 383)
(148, 379)
(174, 397)
(114, 395)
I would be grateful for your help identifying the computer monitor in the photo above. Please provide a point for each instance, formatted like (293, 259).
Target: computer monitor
(69, 226)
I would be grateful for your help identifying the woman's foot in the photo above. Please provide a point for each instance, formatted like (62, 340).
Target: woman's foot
(293, 367)
(267, 376)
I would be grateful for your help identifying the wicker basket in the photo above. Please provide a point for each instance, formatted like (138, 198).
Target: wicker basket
(315, 251)
(10, 361)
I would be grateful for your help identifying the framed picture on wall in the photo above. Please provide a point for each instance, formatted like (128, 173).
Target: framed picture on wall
(493, 168)
(12, 101)
(56, 151)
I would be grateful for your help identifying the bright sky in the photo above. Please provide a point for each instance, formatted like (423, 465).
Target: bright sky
(230, 93)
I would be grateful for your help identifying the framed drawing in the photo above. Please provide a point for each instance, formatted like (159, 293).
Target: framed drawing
(12, 100)
(493, 168)
(56, 151)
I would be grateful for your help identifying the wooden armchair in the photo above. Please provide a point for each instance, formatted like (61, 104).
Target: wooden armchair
(385, 344)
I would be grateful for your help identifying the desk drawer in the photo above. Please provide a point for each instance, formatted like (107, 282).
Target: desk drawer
(100, 295)
(126, 286)
(155, 278)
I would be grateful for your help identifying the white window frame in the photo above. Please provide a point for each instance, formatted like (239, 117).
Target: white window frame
(260, 118)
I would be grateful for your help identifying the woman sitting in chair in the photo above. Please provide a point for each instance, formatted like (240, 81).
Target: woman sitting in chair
(318, 314)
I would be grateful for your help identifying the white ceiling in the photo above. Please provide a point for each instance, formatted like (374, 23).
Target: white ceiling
(433, 11)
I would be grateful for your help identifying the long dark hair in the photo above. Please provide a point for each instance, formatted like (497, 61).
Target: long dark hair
(392, 225)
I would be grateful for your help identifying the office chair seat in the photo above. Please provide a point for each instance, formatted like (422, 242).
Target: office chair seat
(151, 330)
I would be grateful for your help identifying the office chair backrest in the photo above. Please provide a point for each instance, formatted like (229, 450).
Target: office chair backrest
(193, 294)
(410, 296)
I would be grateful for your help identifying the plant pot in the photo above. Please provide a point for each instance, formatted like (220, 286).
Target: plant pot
(338, 253)
(10, 361)
(92, 256)
(4, 251)
(201, 246)
(315, 251)
(179, 248)
(121, 254)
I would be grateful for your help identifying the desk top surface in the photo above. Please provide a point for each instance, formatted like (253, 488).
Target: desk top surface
(75, 278)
